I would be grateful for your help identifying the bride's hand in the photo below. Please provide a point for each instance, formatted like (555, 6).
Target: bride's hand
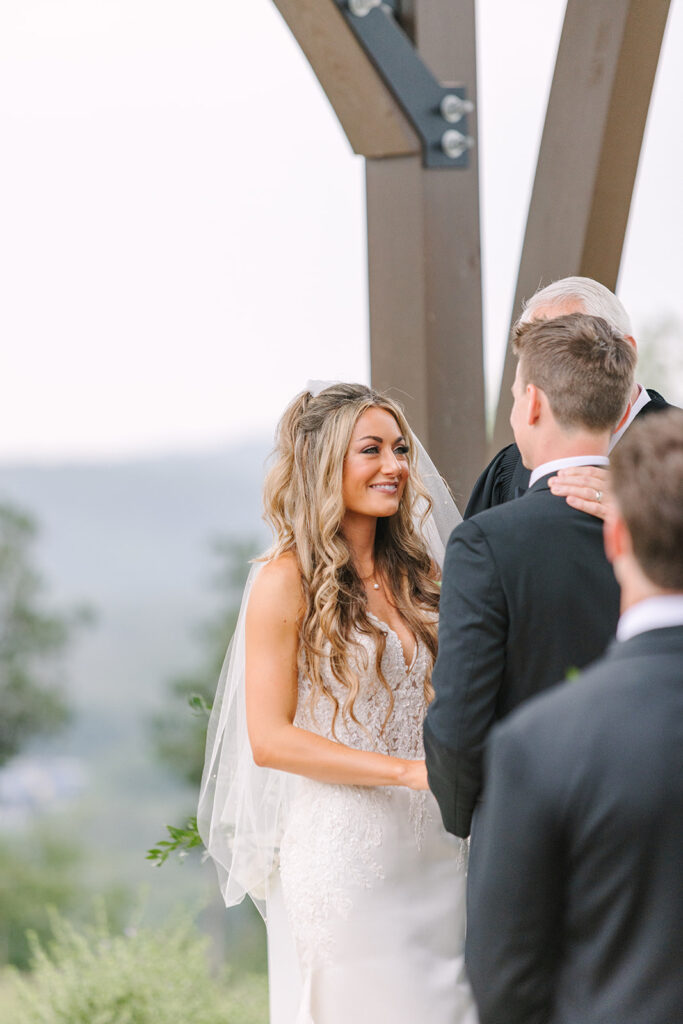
(414, 775)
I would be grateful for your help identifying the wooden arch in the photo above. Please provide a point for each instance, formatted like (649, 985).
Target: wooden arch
(423, 222)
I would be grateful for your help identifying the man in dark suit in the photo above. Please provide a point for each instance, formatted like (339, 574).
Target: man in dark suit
(576, 901)
(506, 477)
(527, 594)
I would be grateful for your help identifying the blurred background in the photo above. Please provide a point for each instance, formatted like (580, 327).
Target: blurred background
(182, 247)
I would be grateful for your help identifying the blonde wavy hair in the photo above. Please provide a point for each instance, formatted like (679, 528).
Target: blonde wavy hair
(303, 504)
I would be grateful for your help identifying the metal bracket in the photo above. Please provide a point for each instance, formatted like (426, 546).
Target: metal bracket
(437, 113)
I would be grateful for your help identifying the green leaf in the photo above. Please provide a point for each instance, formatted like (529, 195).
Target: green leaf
(183, 839)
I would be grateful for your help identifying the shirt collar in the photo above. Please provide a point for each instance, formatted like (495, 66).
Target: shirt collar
(642, 400)
(652, 613)
(572, 460)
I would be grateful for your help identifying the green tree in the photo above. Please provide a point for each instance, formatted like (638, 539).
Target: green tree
(36, 870)
(42, 869)
(36, 867)
(180, 734)
(31, 640)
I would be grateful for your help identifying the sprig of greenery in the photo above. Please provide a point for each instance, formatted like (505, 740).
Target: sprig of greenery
(181, 841)
(199, 704)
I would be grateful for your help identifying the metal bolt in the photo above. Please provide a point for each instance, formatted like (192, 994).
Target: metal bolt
(454, 143)
(363, 7)
(454, 107)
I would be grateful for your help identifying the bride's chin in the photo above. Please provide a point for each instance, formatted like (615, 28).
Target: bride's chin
(385, 512)
(376, 508)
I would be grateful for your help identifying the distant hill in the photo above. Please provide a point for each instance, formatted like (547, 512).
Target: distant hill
(122, 531)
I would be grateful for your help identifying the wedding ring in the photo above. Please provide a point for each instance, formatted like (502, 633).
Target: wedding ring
(598, 496)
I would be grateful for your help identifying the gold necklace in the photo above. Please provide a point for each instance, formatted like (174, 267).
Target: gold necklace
(375, 584)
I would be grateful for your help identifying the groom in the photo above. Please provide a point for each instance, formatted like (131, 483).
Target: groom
(528, 596)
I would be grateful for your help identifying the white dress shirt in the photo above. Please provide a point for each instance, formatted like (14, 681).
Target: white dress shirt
(572, 460)
(642, 400)
(652, 613)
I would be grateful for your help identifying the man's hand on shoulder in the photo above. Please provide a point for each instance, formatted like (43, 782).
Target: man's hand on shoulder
(585, 487)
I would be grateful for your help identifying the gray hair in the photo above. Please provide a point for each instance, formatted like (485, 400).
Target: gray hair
(595, 299)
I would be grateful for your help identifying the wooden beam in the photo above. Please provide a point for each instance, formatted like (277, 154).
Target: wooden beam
(425, 271)
(373, 122)
(598, 105)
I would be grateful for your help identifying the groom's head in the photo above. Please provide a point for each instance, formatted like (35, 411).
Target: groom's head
(574, 377)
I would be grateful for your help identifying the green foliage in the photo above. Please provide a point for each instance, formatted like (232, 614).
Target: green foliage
(162, 976)
(181, 842)
(38, 870)
(31, 640)
(35, 870)
(178, 736)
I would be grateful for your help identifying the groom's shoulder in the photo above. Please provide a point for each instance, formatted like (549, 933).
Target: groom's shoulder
(525, 531)
(520, 514)
(492, 536)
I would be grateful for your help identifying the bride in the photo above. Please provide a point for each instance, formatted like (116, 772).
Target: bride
(314, 798)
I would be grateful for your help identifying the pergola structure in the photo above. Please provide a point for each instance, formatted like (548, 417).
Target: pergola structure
(401, 77)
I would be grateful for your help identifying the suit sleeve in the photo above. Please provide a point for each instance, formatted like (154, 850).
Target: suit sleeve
(515, 893)
(473, 627)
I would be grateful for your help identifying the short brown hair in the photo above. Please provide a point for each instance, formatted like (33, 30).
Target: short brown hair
(647, 477)
(584, 367)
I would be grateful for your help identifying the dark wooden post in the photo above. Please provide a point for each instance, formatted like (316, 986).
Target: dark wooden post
(425, 271)
(423, 228)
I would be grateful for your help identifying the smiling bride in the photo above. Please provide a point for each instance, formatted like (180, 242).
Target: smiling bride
(314, 798)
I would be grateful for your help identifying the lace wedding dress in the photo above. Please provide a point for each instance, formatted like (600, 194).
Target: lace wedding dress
(362, 889)
(366, 919)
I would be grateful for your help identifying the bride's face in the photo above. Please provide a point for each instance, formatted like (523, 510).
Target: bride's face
(375, 466)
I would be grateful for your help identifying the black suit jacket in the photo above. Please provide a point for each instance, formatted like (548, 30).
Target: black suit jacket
(506, 474)
(576, 896)
(527, 596)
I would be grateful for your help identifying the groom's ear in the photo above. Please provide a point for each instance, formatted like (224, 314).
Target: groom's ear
(534, 397)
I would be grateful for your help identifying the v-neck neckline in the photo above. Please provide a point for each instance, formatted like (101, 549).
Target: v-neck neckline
(407, 667)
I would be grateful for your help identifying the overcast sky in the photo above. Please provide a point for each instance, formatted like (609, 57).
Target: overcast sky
(182, 233)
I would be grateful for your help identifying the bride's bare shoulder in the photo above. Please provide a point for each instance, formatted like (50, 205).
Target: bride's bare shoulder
(277, 589)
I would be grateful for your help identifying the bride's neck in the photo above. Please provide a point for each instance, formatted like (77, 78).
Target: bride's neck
(360, 532)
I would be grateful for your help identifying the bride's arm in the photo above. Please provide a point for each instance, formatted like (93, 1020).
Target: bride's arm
(272, 641)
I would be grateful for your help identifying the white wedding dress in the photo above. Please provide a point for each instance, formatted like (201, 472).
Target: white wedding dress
(366, 917)
(362, 888)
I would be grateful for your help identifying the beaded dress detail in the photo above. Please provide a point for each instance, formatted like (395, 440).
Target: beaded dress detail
(365, 872)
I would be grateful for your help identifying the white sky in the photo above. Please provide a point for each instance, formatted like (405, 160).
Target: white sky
(182, 233)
